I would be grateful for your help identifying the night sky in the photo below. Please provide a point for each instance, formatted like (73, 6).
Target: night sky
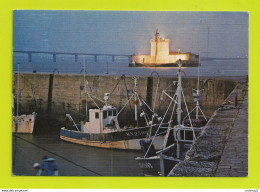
(127, 32)
(213, 34)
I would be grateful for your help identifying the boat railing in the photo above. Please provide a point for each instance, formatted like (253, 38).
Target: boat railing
(166, 149)
(184, 128)
(186, 134)
(163, 132)
(65, 129)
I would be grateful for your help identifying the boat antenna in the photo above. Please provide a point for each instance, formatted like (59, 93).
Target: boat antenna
(84, 65)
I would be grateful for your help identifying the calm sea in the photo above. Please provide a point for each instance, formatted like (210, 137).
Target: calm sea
(104, 65)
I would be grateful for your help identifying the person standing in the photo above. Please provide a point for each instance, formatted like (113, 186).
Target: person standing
(48, 166)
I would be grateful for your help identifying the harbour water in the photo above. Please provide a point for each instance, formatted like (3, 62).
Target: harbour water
(73, 159)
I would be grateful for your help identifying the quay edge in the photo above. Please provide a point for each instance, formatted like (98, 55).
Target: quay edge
(209, 155)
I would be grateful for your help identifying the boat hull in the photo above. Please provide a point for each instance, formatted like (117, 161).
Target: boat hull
(132, 144)
(128, 139)
(25, 123)
(151, 166)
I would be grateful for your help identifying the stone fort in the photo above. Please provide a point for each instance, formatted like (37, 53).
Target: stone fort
(161, 56)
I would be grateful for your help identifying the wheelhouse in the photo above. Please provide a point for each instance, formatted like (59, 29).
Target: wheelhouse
(102, 120)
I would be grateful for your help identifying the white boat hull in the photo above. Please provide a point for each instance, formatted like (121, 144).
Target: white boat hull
(25, 123)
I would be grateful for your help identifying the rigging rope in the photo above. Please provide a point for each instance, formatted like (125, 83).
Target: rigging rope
(128, 97)
(131, 110)
(117, 84)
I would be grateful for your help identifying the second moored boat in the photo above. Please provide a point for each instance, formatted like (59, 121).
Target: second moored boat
(177, 140)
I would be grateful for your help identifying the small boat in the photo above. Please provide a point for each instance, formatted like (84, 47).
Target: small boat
(25, 123)
(177, 140)
(102, 129)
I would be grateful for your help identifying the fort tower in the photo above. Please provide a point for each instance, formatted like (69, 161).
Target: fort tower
(159, 49)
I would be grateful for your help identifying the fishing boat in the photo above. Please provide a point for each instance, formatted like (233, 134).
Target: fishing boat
(102, 129)
(177, 140)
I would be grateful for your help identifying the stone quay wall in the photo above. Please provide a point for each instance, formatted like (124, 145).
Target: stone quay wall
(54, 95)
(222, 147)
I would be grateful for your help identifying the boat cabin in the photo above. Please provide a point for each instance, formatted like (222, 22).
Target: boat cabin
(102, 120)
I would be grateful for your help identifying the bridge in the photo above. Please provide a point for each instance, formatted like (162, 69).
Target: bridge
(54, 55)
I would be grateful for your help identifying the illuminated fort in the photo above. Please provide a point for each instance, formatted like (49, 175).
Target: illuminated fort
(161, 56)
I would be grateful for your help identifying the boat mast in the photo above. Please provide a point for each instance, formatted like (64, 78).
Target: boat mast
(179, 95)
(135, 89)
(197, 91)
(197, 96)
(179, 111)
(86, 84)
(17, 117)
(18, 93)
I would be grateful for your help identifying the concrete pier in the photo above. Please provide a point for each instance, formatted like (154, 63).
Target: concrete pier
(222, 147)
